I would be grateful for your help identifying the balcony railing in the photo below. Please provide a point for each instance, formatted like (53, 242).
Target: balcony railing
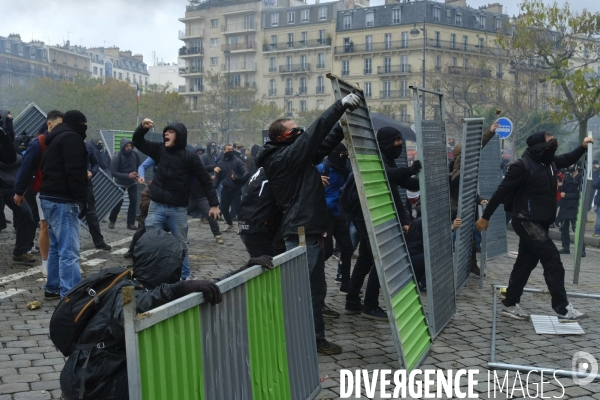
(190, 89)
(302, 90)
(320, 89)
(191, 70)
(239, 27)
(289, 91)
(320, 66)
(394, 69)
(394, 94)
(239, 46)
(191, 51)
(191, 33)
(368, 71)
(300, 44)
(476, 72)
(272, 92)
(239, 66)
(294, 68)
(272, 69)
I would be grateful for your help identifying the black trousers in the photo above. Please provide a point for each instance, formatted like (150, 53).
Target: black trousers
(536, 246)
(365, 265)
(131, 211)
(230, 198)
(91, 217)
(339, 229)
(564, 233)
(258, 245)
(23, 222)
(199, 208)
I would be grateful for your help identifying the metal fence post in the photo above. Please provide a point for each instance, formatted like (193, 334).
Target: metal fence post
(131, 343)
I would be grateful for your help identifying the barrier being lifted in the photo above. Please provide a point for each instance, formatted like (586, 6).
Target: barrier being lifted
(259, 343)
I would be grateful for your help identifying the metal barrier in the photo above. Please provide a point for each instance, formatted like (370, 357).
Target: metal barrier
(259, 343)
(584, 201)
(29, 120)
(467, 198)
(398, 284)
(435, 214)
(490, 176)
(107, 195)
(402, 162)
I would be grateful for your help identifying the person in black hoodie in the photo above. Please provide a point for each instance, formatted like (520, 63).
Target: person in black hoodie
(63, 195)
(230, 172)
(123, 167)
(8, 135)
(103, 156)
(170, 188)
(289, 160)
(530, 184)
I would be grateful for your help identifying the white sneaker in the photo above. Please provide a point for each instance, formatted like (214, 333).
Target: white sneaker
(572, 314)
(515, 312)
(219, 239)
(189, 278)
(44, 271)
(228, 228)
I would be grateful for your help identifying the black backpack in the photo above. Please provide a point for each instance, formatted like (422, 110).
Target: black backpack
(21, 143)
(79, 305)
(349, 197)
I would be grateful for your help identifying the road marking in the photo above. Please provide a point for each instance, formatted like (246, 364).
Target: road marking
(10, 292)
(121, 251)
(93, 262)
(19, 275)
(86, 253)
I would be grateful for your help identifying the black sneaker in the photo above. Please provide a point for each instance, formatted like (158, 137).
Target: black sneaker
(338, 278)
(329, 313)
(375, 313)
(129, 254)
(51, 296)
(564, 251)
(353, 308)
(325, 347)
(24, 258)
(103, 246)
(131, 227)
(583, 254)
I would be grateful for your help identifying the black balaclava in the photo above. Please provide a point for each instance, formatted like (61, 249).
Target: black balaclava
(386, 137)
(99, 145)
(336, 159)
(75, 120)
(539, 149)
(229, 155)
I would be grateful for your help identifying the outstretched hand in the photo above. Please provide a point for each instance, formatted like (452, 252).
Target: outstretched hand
(482, 224)
(147, 123)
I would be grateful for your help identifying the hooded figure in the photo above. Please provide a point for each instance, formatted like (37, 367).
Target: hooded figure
(156, 272)
(386, 137)
(8, 124)
(125, 162)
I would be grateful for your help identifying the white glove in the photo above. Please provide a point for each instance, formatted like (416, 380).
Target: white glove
(351, 102)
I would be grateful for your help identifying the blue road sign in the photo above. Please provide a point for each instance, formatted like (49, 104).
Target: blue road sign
(505, 129)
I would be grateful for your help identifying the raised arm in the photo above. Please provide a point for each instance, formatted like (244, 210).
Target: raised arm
(335, 137)
(151, 149)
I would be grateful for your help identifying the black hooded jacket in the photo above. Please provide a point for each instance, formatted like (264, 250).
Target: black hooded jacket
(157, 261)
(8, 125)
(291, 169)
(64, 166)
(258, 213)
(175, 166)
(228, 164)
(123, 163)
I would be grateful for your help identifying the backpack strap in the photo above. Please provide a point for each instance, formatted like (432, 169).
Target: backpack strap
(87, 348)
(525, 169)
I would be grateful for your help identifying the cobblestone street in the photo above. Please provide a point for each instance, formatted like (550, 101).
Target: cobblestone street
(30, 365)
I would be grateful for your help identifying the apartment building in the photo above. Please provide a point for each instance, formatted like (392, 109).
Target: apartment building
(111, 62)
(69, 62)
(20, 60)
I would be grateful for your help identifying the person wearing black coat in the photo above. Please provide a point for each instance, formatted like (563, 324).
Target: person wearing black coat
(289, 160)
(570, 191)
(123, 167)
(230, 172)
(170, 188)
(532, 191)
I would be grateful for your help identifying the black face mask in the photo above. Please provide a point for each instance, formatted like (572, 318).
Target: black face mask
(228, 156)
(396, 151)
(571, 169)
(547, 156)
(79, 128)
(99, 146)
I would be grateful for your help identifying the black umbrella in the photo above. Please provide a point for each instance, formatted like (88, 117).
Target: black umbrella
(381, 120)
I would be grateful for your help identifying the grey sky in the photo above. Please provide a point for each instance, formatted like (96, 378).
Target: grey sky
(142, 26)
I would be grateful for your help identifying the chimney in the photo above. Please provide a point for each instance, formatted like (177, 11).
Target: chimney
(138, 57)
(15, 36)
(494, 7)
(37, 43)
(126, 53)
(457, 3)
(112, 52)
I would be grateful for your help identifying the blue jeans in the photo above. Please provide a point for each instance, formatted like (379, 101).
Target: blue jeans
(176, 219)
(597, 228)
(63, 259)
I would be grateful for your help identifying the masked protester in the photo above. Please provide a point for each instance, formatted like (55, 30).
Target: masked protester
(232, 173)
(530, 185)
(570, 190)
(103, 156)
(124, 166)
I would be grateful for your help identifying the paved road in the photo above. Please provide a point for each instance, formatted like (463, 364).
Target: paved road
(30, 365)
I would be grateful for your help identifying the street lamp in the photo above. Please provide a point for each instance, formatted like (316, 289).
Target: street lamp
(227, 53)
(414, 32)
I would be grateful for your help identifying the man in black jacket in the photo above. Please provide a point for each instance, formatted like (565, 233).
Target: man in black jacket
(63, 194)
(123, 167)
(90, 216)
(289, 160)
(170, 189)
(230, 171)
(569, 205)
(530, 184)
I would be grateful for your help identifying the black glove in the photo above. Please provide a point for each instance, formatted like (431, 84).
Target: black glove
(83, 207)
(211, 292)
(415, 167)
(264, 261)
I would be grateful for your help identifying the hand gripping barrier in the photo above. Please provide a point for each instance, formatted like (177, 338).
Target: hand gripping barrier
(259, 343)
(435, 213)
(467, 198)
(29, 120)
(398, 285)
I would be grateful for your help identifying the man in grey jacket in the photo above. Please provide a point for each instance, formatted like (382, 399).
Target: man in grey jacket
(124, 166)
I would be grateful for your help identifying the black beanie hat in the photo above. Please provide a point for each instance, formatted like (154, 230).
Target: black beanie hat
(388, 133)
(536, 138)
(74, 117)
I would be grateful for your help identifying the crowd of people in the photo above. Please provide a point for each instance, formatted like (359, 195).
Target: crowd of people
(300, 178)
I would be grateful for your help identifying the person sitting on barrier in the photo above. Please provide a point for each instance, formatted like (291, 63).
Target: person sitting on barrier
(97, 366)
(289, 160)
(530, 184)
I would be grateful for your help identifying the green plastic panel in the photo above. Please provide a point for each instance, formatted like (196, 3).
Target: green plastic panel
(411, 323)
(170, 351)
(376, 188)
(118, 136)
(266, 338)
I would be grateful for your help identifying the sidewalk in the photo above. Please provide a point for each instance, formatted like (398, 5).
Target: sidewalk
(589, 230)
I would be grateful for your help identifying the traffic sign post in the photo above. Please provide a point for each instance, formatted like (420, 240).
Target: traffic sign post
(505, 127)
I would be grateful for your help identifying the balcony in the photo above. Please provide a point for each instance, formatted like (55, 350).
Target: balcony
(394, 94)
(294, 68)
(239, 47)
(239, 66)
(191, 34)
(272, 69)
(272, 92)
(191, 70)
(473, 72)
(289, 91)
(239, 27)
(320, 89)
(191, 89)
(368, 71)
(303, 90)
(192, 14)
(392, 45)
(251, 85)
(394, 69)
(192, 51)
(300, 44)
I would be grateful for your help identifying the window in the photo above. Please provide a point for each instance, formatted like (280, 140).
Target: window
(214, 42)
(370, 19)
(396, 16)
(7, 45)
(498, 24)
(95, 70)
(320, 86)
(466, 63)
(453, 62)
(289, 89)
(214, 23)
(436, 14)
(458, 19)
(481, 21)
(53, 53)
(499, 70)
(321, 36)
(368, 42)
(304, 40)
(465, 43)
(386, 88)
(437, 39)
(531, 99)
(387, 65)
(481, 43)
(288, 62)
(388, 41)
(303, 62)
(404, 88)
(302, 105)
(345, 67)
(302, 89)
(320, 60)
(453, 40)
(348, 21)
(272, 64)
(304, 15)
(214, 61)
(291, 17)
(290, 40)
(64, 58)
(274, 40)
(120, 76)
(438, 62)
(403, 113)
(272, 87)
(274, 19)
(322, 13)
(404, 67)
(368, 66)
(404, 39)
(368, 89)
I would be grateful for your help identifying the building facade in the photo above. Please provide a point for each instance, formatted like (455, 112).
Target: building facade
(165, 76)
(68, 62)
(112, 63)
(20, 60)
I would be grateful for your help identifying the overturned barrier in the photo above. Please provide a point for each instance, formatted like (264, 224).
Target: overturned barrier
(107, 195)
(29, 121)
(259, 343)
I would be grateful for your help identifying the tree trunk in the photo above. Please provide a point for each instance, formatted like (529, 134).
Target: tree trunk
(582, 130)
